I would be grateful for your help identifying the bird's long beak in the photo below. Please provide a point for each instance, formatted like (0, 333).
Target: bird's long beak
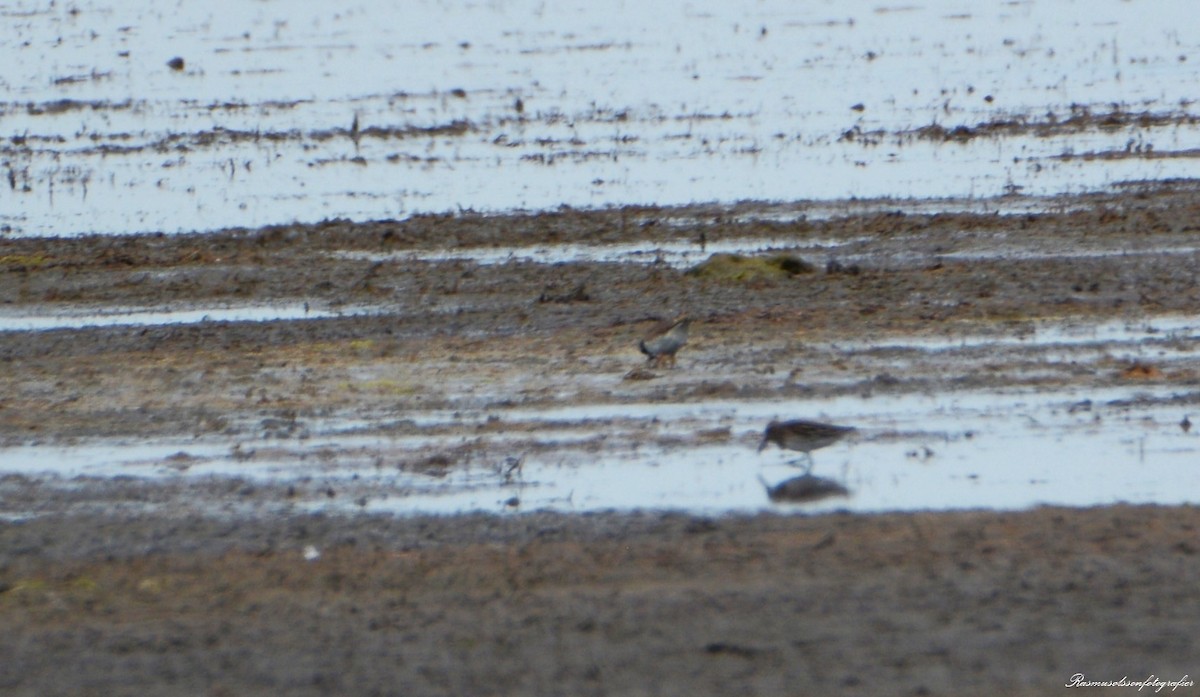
(763, 444)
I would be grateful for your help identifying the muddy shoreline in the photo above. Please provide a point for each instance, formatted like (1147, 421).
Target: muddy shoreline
(178, 586)
(548, 604)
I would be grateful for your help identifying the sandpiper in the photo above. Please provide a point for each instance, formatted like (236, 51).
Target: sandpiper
(803, 436)
(664, 340)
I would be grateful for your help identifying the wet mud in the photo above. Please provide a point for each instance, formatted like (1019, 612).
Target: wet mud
(248, 582)
(548, 604)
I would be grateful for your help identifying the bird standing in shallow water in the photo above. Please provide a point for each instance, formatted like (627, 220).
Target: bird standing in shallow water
(803, 436)
(664, 340)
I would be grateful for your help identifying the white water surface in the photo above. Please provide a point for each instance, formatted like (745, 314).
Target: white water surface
(1006, 450)
(74, 317)
(529, 105)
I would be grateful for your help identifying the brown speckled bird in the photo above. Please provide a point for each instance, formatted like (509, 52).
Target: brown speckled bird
(664, 340)
(803, 436)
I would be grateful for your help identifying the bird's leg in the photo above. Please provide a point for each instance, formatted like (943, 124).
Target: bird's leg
(806, 463)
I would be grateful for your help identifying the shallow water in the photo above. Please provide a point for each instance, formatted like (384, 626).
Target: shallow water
(305, 110)
(1178, 336)
(75, 317)
(1003, 450)
(677, 255)
(682, 254)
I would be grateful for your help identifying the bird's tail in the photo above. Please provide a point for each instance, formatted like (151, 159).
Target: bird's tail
(642, 347)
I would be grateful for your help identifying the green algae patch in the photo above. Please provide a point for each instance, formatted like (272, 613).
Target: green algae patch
(736, 267)
(16, 262)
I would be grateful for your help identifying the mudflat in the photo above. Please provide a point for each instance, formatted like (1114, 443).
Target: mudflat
(240, 585)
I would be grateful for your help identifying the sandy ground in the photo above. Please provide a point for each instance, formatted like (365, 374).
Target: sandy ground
(116, 586)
